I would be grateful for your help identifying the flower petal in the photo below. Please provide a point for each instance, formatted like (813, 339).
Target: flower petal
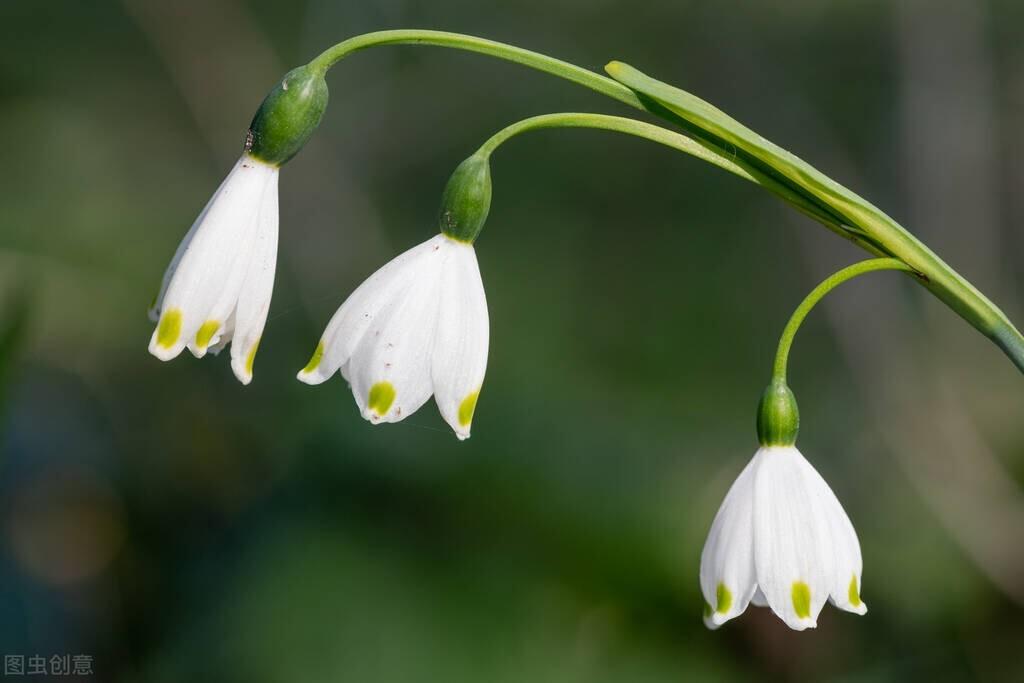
(462, 339)
(250, 314)
(390, 367)
(207, 257)
(158, 302)
(793, 554)
(235, 278)
(844, 591)
(365, 305)
(157, 307)
(222, 337)
(727, 561)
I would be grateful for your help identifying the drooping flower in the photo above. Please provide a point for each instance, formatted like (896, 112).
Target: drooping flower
(218, 286)
(417, 327)
(781, 538)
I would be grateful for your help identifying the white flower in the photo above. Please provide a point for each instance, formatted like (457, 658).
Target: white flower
(416, 327)
(781, 539)
(218, 286)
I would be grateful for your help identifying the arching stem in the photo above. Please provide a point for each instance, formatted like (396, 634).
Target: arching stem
(605, 86)
(816, 295)
(662, 136)
(458, 41)
(805, 188)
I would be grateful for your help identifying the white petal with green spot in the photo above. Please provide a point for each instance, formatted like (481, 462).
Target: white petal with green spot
(418, 326)
(781, 539)
(220, 279)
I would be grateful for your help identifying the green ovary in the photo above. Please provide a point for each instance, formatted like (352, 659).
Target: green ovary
(169, 329)
(802, 599)
(724, 599)
(382, 395)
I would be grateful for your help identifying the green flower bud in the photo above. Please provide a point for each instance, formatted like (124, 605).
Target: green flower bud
(467, 200)
(288, 116)
(778, 419)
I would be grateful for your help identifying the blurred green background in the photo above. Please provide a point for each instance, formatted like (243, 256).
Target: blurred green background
(180, 527)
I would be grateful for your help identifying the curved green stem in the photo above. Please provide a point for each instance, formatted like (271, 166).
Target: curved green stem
(619, 124)
(795, 181)
(662, 136)
(606, 86)
(459, 41)
(868, 226)
(816, 295)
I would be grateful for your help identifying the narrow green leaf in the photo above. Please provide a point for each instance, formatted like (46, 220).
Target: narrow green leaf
(862, 222)
(738, 139)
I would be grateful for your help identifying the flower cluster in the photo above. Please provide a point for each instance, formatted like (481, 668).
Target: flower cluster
(418, 327)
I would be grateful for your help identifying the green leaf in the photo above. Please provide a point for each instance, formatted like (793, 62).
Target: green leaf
(862, 222)
(710, 122)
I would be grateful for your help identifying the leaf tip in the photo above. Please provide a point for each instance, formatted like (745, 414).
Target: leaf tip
(614, 68)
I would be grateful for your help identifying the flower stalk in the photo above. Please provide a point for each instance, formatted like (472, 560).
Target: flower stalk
(723, 138)
(816, 295)
(862, 222)
(458, 41)
(778, 418)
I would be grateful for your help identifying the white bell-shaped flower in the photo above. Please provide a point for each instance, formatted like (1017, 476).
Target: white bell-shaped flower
(780, 539)
(218, 286)
(416, 327)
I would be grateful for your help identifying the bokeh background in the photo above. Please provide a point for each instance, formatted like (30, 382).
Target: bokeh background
(176, 526)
